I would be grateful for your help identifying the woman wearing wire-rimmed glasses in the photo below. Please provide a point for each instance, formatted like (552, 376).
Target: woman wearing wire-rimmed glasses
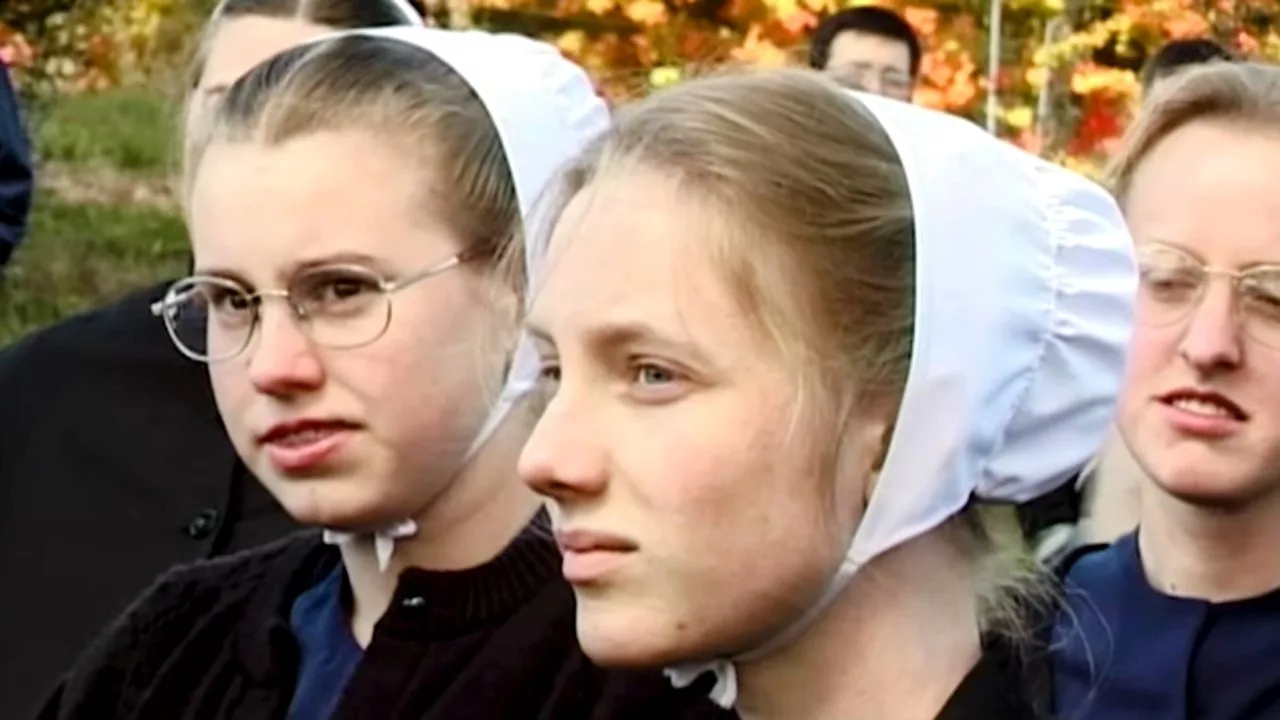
(1182, 617)
(350, 209)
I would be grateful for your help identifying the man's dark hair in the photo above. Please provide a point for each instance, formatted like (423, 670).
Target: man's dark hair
(869, 20)
(1177, 54)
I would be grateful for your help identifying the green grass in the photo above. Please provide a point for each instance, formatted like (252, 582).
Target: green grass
(90, 241)
(79, 256)
(130, 130)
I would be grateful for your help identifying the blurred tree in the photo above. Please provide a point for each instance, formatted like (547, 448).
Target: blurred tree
(1066, 80)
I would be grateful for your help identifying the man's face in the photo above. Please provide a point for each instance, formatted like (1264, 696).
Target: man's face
(873, 63)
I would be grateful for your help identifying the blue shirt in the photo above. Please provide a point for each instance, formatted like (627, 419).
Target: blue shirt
(1124, 651)
(329, 651)
(16, 178)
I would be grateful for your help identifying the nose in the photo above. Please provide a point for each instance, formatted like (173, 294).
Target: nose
(563, 458)
(283, 361)
(1212, 341)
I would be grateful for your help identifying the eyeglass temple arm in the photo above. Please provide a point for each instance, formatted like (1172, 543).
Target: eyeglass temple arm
(157, 307)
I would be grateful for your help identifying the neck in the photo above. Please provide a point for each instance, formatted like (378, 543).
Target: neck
(1209, 553)
(469, 524)
(882, 649)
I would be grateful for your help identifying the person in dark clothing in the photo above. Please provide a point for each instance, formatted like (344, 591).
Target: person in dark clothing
(495, 641)
(1181, 618)
(349, 329)
(868, 48)
(1177, 55)
(17, 181)
(789, 405)
(114, 465)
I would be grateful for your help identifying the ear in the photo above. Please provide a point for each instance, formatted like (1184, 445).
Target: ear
(869, 432)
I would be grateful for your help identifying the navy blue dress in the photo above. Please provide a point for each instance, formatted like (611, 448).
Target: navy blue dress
(1124, 651)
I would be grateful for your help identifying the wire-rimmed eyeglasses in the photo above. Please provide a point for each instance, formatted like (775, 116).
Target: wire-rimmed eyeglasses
(211, 318)
(1173, 283)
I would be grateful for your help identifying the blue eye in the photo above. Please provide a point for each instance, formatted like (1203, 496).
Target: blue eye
(650, 374)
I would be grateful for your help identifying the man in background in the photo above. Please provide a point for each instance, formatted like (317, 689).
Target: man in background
(16, 177)
(868, 48)
(1178, 54)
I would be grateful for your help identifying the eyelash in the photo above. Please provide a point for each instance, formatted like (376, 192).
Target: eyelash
(549, 372)
(638, 369)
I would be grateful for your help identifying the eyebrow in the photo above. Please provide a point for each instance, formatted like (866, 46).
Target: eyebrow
(1179, 247)
(610, 336)
(219, 89)
(294, 268)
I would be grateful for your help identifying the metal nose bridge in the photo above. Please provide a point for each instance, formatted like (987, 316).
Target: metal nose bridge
(298, 310)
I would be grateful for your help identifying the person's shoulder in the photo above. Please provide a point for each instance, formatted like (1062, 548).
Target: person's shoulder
(182, 602)
(120, 323)
(230, 578)
(223, 585)
(1089, 563)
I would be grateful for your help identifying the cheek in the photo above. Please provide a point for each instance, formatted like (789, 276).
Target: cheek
(741, 491)
(234, 396)
(1151, 352)
(425, 379)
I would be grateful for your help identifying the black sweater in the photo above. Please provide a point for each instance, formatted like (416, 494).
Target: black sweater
(213, 640)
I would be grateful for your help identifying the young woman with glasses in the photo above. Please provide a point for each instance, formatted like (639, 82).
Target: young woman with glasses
(348, 202)
(101, 413)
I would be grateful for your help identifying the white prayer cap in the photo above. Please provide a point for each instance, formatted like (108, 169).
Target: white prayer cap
(1025, 278)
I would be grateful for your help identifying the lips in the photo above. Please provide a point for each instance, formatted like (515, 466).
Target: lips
(305, 447)
(589, 556)
(583, 541)
(1205, 403)
(302, 432)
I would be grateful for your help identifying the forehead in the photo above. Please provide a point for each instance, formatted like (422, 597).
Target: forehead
(262, 206)
(1202, 174)
(853, 47)
(240, 43)
(635, 247)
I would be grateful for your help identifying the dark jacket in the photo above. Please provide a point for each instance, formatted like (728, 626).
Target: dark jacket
(114, 467)
(495, 642)
(16, 177)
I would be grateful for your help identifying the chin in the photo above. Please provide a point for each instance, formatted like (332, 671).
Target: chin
(1213, 490)
(337, 504)
(614, 635)
(1210, 480)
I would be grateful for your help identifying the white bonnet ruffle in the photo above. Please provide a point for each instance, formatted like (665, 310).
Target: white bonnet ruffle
(1025, 278)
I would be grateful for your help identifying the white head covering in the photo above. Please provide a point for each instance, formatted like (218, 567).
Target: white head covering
(1024, 284)
(411, 15)
(545, 110)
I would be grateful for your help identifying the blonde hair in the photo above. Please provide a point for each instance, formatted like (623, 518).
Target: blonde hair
(822, 257)
(397, 92)
(1247, 93)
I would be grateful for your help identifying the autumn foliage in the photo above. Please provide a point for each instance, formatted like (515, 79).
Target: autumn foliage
(1066, 75)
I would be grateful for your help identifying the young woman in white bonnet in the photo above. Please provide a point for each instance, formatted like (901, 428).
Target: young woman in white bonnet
(100, 413)
(348, 204)
(801, 350)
